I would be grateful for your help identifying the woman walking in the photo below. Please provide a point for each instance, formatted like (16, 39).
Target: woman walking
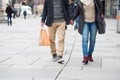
(89, 12)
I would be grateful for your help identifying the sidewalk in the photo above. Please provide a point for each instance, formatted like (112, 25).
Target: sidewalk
(106, 65)
(22, 59)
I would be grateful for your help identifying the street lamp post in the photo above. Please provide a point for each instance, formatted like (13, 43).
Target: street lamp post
(118, 17)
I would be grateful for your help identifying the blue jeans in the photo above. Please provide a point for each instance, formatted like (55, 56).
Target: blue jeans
(77, 23)
(89, 33)
(9, 20)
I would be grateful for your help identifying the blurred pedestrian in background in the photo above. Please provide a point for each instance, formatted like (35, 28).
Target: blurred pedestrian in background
(9, 12)
(25, 14)
(14, 12)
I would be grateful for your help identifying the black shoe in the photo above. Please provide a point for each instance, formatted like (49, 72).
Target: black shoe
(60, 59)
(54, 57)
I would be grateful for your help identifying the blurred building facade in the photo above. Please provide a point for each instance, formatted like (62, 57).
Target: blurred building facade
(36, 5)
(110, 6)
(2, 9)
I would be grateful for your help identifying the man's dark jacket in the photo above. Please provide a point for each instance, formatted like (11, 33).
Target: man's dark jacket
(9, 11)
(80, 12)
(48, 13)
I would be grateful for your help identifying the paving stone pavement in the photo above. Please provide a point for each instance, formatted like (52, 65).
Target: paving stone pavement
(22, 59)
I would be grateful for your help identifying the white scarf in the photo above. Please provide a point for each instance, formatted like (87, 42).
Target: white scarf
(86, 2)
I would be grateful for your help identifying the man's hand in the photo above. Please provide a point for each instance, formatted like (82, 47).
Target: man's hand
(102, 16)
(42, 24)
(71, 22)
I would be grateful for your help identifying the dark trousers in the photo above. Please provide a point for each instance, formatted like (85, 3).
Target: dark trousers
(9, 20)
(25, 16)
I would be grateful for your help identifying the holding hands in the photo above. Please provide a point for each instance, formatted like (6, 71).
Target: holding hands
(71, 22)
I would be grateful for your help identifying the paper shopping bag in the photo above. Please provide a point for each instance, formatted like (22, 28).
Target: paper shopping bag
(44, 38)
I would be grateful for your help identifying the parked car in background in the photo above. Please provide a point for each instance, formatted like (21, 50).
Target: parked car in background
(27, 9)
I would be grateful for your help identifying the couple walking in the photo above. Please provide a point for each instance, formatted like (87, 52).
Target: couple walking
(55, 16)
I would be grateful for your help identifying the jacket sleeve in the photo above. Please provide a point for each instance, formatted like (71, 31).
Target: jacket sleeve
(76, 12)
(67, 4)
(100, 6)
(67, 15)
(6, 10)
(67, 7)
(44, 12)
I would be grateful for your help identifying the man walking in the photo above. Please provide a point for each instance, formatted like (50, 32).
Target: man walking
(56, 16)
(91, 15)
(9, 14)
